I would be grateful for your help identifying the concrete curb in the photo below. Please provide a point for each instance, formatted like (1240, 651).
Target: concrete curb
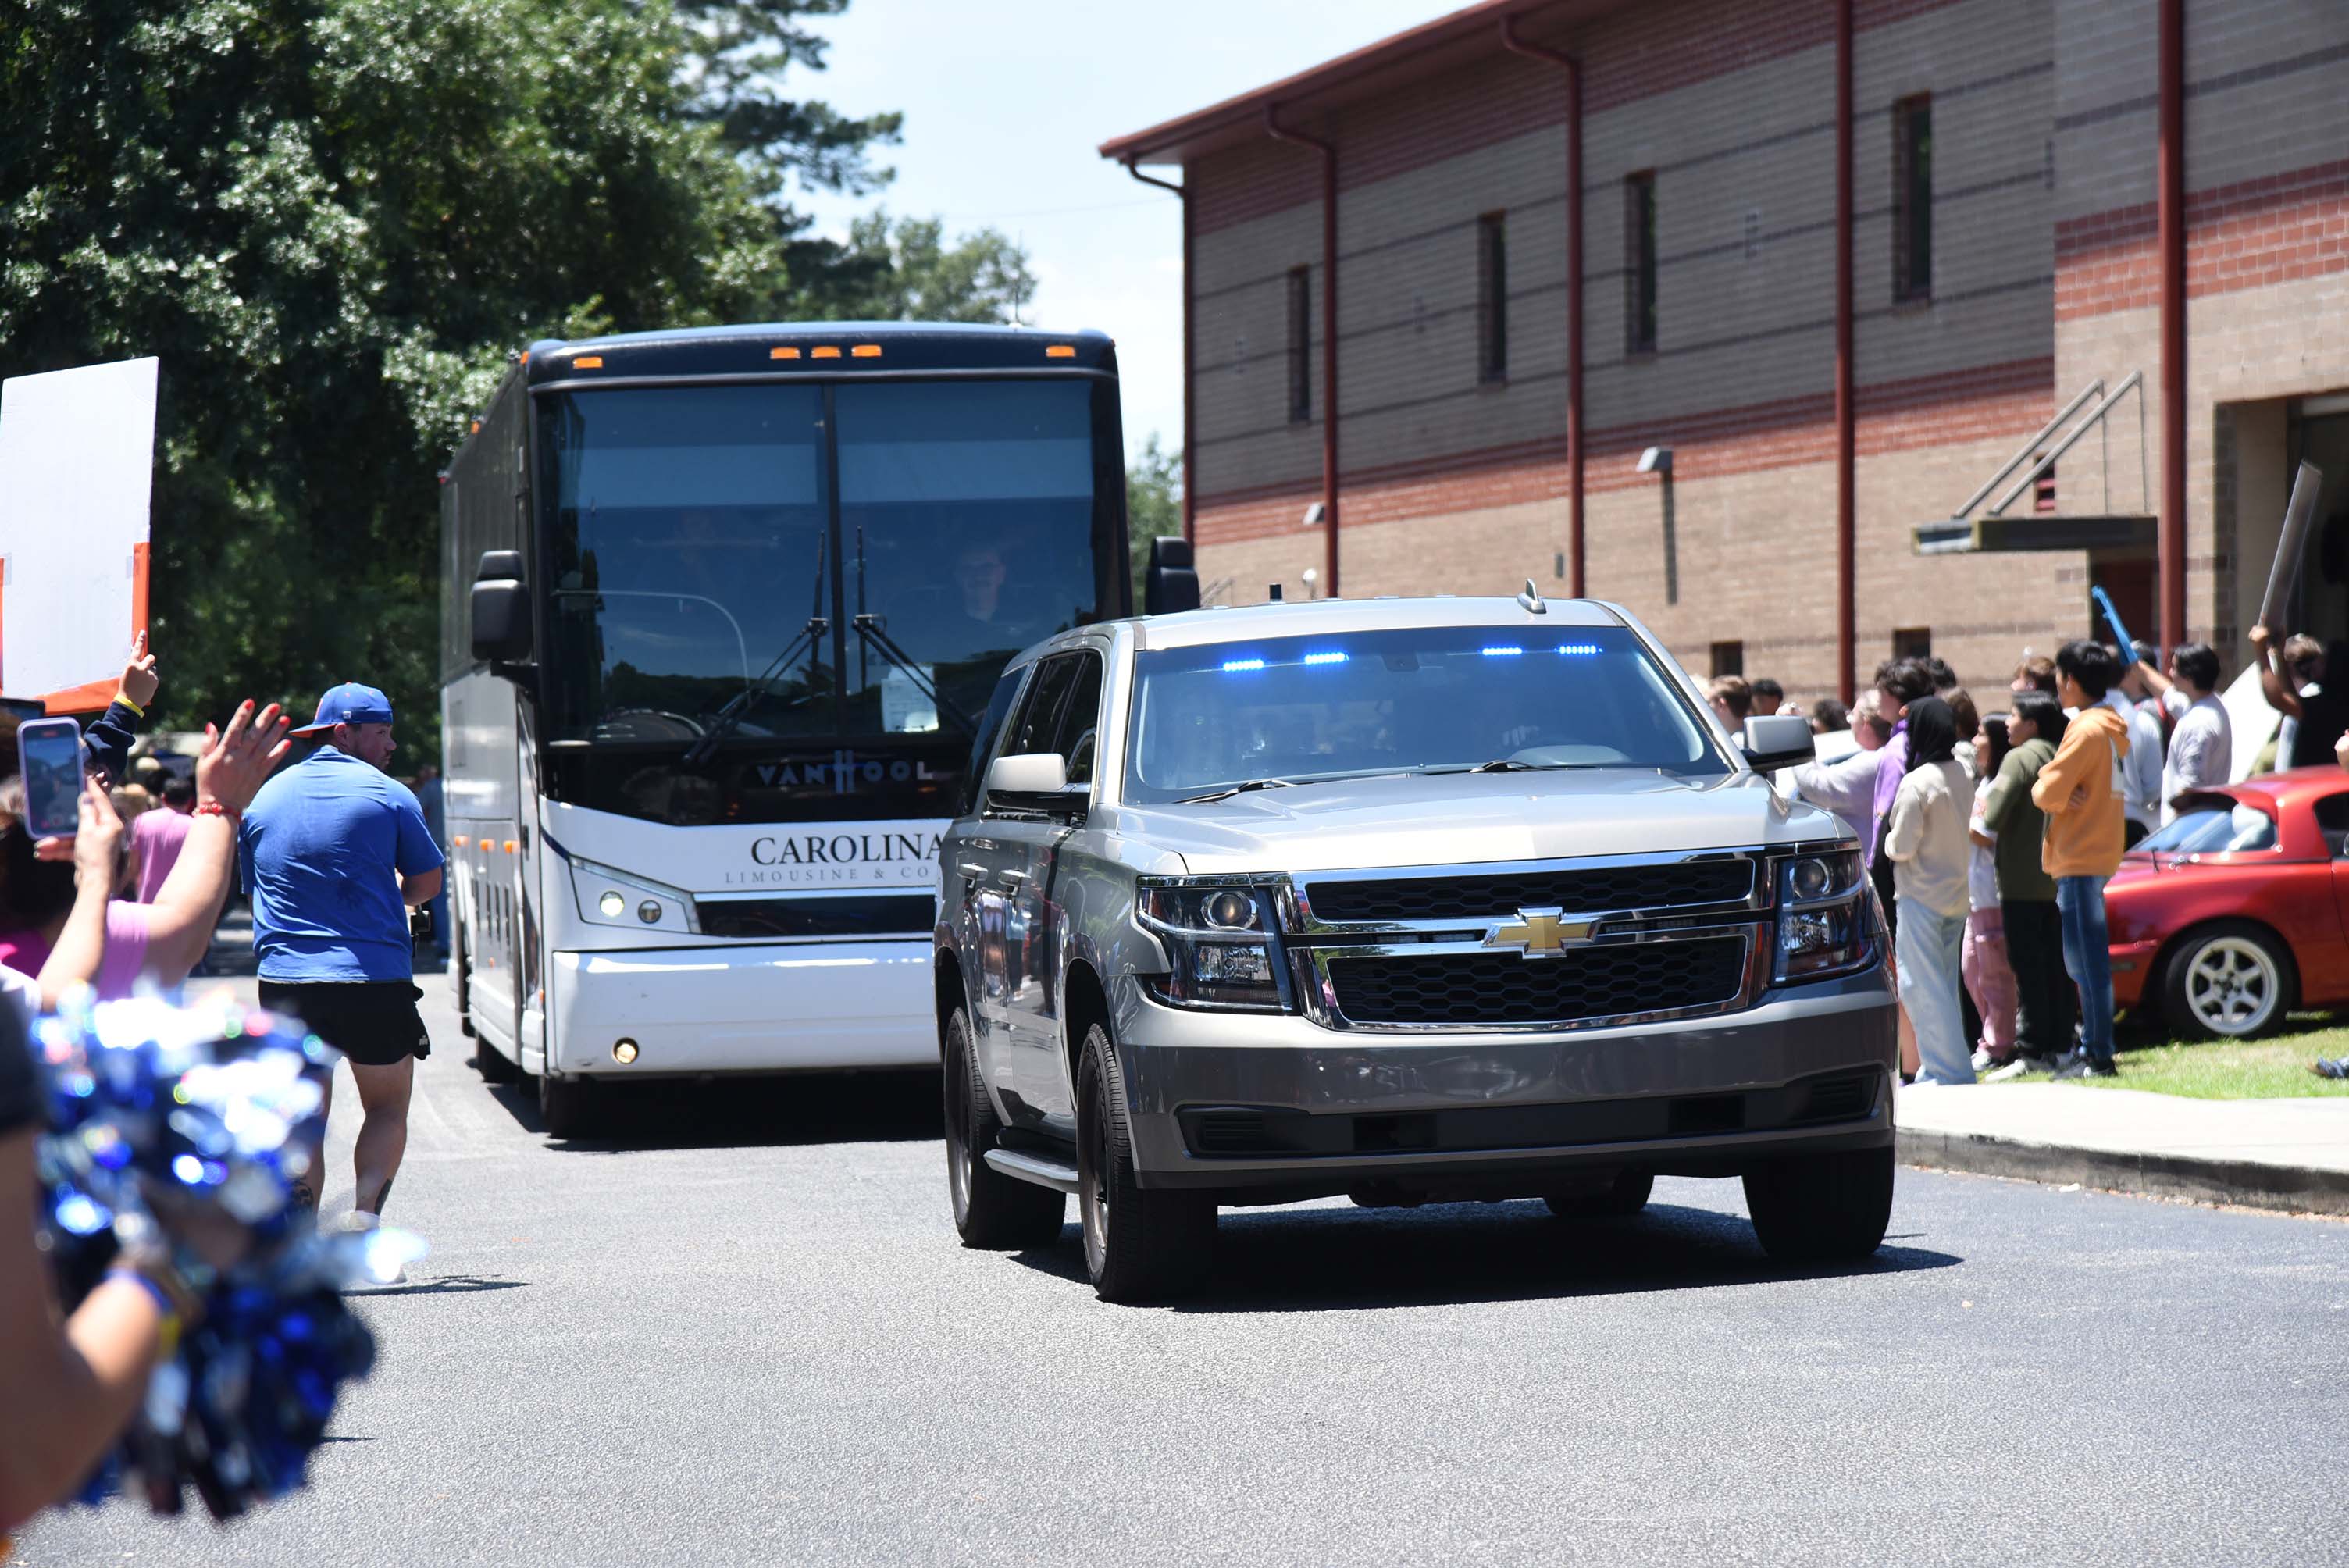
(2246, 1183)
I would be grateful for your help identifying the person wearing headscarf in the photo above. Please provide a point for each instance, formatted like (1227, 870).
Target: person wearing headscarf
(1926, 839)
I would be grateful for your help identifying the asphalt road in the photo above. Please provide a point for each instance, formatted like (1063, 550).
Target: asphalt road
(748, 1334)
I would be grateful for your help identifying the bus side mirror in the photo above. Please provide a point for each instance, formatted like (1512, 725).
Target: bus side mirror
(1171, 583)
(501, 608)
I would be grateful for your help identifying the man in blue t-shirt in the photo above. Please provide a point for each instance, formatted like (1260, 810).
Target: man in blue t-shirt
(336, 852)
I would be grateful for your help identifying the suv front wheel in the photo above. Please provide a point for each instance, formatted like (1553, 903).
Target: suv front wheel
(1139, 1245)
(990, 1209)
(1822, 1208)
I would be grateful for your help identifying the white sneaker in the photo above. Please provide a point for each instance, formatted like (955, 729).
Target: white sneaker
(1983, 1060)
(357, 1220)
(2012, 1069)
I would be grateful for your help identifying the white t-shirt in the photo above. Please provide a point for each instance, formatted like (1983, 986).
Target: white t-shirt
(2201, 748)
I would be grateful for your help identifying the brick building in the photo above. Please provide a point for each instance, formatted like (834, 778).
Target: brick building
(2037, 196)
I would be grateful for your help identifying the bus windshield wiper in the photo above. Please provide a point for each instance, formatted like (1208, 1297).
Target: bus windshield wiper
(729, 717)
(868, 627)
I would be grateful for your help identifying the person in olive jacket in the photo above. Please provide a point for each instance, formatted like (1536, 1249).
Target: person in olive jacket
(2026, 894)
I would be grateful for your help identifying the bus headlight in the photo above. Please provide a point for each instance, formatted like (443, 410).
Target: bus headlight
(606, 896)
(1221, 942)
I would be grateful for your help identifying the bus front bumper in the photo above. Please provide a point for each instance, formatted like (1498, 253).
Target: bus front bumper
(753, 1008)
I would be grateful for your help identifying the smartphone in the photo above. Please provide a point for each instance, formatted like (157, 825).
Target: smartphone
(49, 757)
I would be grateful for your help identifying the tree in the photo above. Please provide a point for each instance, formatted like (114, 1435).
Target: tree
(1154, 503)
(336, 221)
(903, 270)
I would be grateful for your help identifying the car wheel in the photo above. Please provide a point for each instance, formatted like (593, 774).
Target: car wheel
(1140, 1246)
(2228, 981)
(1819, 1208)
(568, 1107)
(990, 1209)
(1622, 1197)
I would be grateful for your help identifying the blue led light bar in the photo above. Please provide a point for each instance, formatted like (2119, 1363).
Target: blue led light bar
(1502, 652)
(1230, 664)
(1325, 658)
(1578, 647)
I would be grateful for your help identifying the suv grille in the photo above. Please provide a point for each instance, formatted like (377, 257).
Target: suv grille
(1588, 889)
(1503, 988)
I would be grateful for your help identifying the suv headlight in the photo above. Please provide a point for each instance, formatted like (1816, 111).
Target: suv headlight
(1827, 921)
(1222, 941)
(608, 897)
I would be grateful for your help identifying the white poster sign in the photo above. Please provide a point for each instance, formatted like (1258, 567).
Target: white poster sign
(77, 463)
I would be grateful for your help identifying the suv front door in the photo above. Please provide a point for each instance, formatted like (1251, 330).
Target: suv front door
(1041, 1072)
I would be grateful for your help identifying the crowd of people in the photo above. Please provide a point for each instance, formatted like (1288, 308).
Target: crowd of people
(337, 859)
(1989, 836)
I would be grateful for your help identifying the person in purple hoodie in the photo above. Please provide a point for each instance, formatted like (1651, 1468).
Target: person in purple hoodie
(1898, 684)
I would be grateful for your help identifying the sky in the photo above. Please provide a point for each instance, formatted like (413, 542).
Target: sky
(1004, 105)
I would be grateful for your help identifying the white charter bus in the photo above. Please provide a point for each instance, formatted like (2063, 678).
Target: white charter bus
(722, 611)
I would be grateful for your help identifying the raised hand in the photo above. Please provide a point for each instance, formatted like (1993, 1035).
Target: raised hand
(139, 677)
(237, 761)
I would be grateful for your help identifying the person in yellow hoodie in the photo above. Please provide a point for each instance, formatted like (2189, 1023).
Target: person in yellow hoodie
(2080, 789)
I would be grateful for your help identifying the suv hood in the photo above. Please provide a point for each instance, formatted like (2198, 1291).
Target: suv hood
(1470, 819)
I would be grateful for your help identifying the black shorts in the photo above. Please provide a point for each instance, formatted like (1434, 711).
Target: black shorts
(373, 1022)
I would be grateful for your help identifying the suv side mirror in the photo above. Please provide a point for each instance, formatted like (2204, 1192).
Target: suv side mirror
(1778, 740)
(1172, 584)
(1027, 773)
(501, 608)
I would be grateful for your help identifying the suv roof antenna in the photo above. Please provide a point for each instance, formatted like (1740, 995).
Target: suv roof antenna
(1531, 600)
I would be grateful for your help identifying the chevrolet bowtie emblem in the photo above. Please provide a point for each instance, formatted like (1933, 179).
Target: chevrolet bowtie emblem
(1540, 933)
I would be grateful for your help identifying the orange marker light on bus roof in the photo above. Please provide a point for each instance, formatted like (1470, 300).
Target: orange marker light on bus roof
(510, 846)
(782, 354)
(866, 351)
(588, 362)
(1059, 351)
(458, 840)
(826, 352)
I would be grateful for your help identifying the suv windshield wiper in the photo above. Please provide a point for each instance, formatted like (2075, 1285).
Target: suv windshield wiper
(1226, 794)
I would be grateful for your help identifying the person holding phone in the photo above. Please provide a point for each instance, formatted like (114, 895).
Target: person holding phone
(40, 892)
(335, 853)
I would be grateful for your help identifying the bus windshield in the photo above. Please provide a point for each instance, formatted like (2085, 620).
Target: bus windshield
(875, 550)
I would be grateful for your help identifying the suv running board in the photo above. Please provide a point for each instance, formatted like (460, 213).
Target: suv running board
(1044, 1171)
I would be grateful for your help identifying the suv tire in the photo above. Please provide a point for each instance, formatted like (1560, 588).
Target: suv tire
(1140, 1246)
(1822, 1208)
(990, 1209)
(1620, 1199)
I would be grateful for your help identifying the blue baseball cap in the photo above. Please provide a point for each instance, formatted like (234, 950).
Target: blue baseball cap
(350, 703)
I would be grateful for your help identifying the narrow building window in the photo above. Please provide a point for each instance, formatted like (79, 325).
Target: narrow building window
(1492, 299)
(1300, 344)
(1912, 643)
(1728, 659)
(1639, 263)
(1912, 198)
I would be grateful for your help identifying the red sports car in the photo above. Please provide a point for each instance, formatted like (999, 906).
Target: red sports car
(2235, 911)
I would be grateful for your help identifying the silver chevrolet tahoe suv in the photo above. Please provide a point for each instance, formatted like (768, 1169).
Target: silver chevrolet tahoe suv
(1412, 900)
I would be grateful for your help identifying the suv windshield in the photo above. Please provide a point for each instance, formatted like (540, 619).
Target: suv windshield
(1297, 708)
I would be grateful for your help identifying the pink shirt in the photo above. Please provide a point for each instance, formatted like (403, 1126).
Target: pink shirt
(157, 836)
(126, 949)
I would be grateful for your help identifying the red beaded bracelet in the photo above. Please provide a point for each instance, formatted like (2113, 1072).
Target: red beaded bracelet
(215, 809)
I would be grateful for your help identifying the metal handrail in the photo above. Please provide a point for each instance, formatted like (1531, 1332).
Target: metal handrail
(2095, 417)
(1966, 507)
